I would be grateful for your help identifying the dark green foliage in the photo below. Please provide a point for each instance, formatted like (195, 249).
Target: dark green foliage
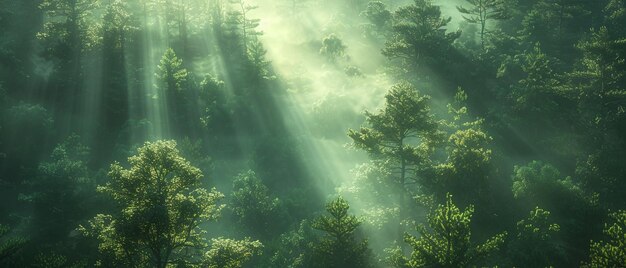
(332, 48)
(295, 247)
(59, 196)
(419, 38)
(339, 247)
(379, 17)
(253, 207)
(9, 246)
(536, 242)
(543, 81)
(481, 12)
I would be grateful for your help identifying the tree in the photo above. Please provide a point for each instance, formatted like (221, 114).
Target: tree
(229, 253)
(247, 25)
(564, 18)
(379, 17)
(60, 195)
(172, 79)
(483, 11)
(67, 31)
(419, 38)
(536, 242)
(339, 248)
(160, 205)
(576, 211)
(9, 246)
(332, 47)
(611, 252)
(118, 25)
(403, 133)
(253, 206)
(447, 241)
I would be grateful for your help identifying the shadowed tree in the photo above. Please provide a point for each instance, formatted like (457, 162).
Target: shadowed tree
(9, 246)
(418, 37)
(332, 48)
(68, 29)
(483, 11)
(536, 242)
(159, 206)
(379, 17)
(60, 195)
(253, 206)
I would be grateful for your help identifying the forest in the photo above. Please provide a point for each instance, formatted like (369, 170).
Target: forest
(312, 133)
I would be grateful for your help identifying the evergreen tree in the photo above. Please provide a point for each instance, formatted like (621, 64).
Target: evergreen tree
(404, 133)
(173, 91)
(68, 29)
(419, 38)
(379, 17)
(447, 241)
(481, 12)
(339, 248)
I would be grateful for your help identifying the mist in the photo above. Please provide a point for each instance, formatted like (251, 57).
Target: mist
(312, 133)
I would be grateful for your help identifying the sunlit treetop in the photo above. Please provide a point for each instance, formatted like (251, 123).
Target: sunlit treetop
(446, 243)
(161, 203)
(610, 252)
(229, 253)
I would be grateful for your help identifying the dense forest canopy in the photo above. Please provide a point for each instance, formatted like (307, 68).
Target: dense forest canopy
(312, 133)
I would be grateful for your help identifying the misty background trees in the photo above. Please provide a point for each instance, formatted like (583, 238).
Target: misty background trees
(312, 133)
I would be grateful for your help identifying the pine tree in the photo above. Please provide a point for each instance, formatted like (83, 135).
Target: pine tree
(339, 248)
(446, 243)
(481, 12)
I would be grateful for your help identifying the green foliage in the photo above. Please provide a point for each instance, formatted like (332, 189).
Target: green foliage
(339, 247)
(446, 243)
(538, 181)
(228, 253)
(610, 252)
(253, 206)
(295, 247)
(379, 17)
(537, 93)
(212, 102)
(171, 74)
(600, 78)
(481, 12)
(536, 242)
(332, 48)
(391, 133)
(68, 21)
(419, 37)
(9, 246)
(60, 194)
(160, 204)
